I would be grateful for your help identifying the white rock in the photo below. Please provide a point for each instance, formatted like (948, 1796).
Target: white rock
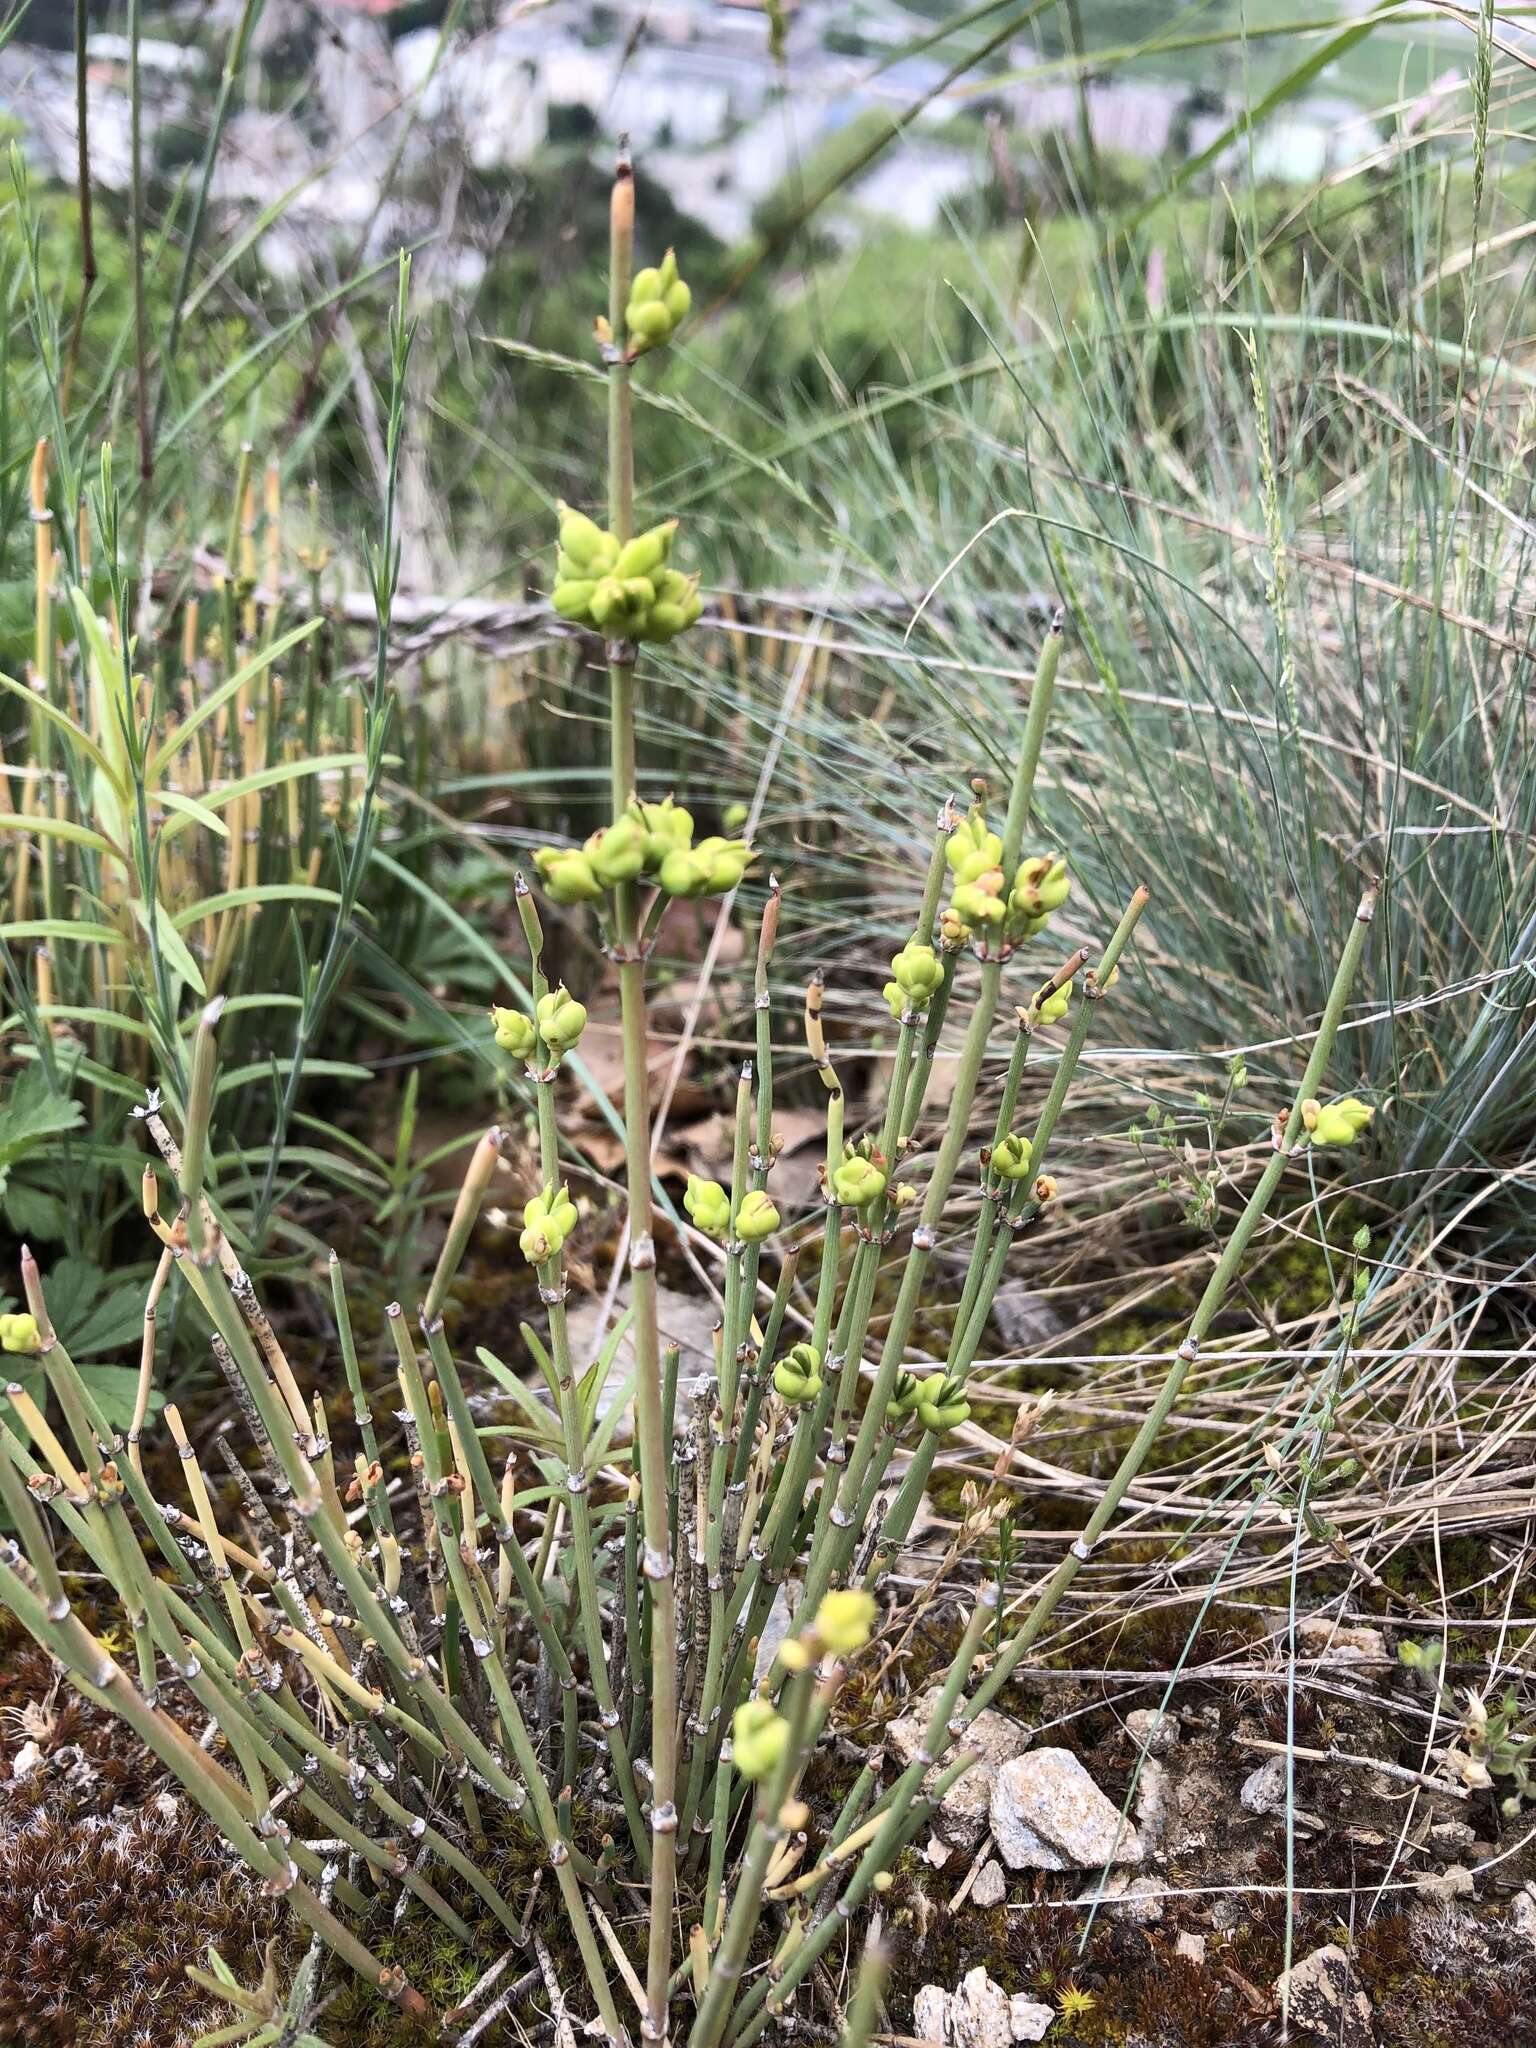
(1326, 1999)
(1263, 1790)
(1448, 1836)
(1048, 1814)
(979, 2014)
(1454, 1882)
(1129, 1898)
(26, 1760)
(1025, 1320)
(686, 1320)
(1191, 1947)
(1522, 1912)
(962, 1817)
(937, 1852)
(930, 2014)
(1153, 1801)
(991, 1887)
(1029, 2018)
(1340, 1642)
(1152, 1730)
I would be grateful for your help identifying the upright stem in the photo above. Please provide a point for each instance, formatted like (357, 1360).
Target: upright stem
(140, 317)
(649, 1425)
(1206, 1311)
(83, 190)
(621, 431)
(926, 1236)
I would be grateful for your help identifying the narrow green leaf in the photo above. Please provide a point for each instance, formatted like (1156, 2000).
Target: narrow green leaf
(172, 945)
(272, 778)
(260, 892)
(211, 705)
(62, 828)
(77, 736)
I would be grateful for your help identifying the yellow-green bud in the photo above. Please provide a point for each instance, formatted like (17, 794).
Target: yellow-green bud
(548, 1221)
(649, 324)
(658, 303)
(1040, 887)
(674, 611)
(972, 849)
(759, 1738)
(561, 1019)
(734, 816)
(617, 853)
(845, 1621)
(727, 861)
(20, 1333)
(581, 538)
(572, 599)
(1055, 1006)
(895, 1000)
(797, 1376)
(1336, 1123)
(980, 902)
(514, 1032)
(757, 1218)
(708, 1204)
(857, 1182)
(647, 552)
(684, 872)
(942, 1405)
(667, 825)
(570, 569)
(1011, 1157)
(918, 971)
(567, 875)
(619, 603)
(906, 1392)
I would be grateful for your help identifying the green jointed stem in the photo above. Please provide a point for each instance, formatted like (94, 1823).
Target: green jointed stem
(740, 1283)
(656, 1562)
(881, 1851)
(873, 1971)
(831, 1557)
(100, 1679)
(767, 1832)
(1206, 1311)
(583, 1542)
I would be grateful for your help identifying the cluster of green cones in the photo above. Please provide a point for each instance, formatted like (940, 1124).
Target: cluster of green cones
(649, 842)
(623, 590)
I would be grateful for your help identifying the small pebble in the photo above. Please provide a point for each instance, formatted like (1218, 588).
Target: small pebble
(1454, 1882)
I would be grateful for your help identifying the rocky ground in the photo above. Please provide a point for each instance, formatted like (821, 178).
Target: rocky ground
(1131, 1887)
(1112, 1871)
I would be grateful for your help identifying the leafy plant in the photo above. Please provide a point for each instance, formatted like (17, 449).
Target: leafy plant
(1495, 1742)
(389, 1668)
(31, 1117)
(267, 2017)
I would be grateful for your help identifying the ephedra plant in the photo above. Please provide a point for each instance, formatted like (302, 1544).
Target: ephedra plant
(414, 1656)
